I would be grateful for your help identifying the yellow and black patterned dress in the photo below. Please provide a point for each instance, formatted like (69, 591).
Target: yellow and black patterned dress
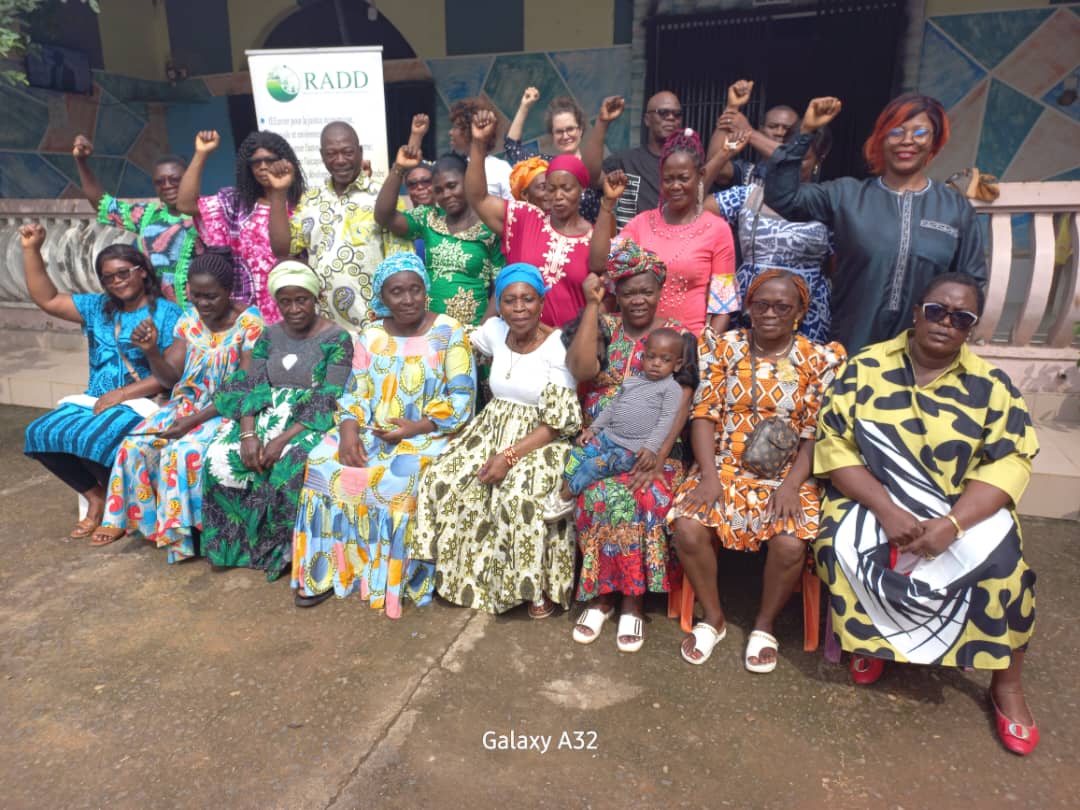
(974, 604)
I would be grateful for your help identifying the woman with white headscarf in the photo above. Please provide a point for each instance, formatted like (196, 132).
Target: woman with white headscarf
(280, 405)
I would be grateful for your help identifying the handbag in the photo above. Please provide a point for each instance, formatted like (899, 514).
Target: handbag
(975, 185)
(772, 442)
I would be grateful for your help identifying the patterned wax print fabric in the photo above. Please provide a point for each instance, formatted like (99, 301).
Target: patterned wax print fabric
(248, 516)
(344, 245)
(767, 241)
(563, 261)
(461, 266)
(515, 152)
(974, 604)
(792, 388)
(491, 546)
(167, 239)
(700, 259)
(155, 490)
(353, 523)
(75, 429)
(622, 535)
(247, 234)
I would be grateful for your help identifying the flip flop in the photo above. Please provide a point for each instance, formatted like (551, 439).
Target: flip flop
(705, 639)
(542, 611)
(103, 535)
(591, 619)
(758, 642)
(83, 529)
(630, 625)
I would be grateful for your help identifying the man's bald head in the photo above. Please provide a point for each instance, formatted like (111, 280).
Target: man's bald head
(341, 153)
(336, 130)
(663, 116)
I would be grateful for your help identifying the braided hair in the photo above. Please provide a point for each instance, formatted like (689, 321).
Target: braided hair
(127, 253)
(216, 262)
(687, 142)
(247, 187)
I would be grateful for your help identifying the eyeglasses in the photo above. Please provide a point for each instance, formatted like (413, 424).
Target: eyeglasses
(165, 182)
(898, 134)
(957, 318)
(565, 131)
(666, 112)
(262, 161)
(119, 277)
(761, 307)
(420, 182)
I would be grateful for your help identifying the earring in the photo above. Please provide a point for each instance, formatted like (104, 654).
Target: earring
(795, 327)
(700, 192)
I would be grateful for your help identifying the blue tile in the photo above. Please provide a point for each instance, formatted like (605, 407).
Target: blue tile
(24, 121)
(509, 77)
(1051, 97)
(26, 175)
(63, 163)
(106, 169)
(1008, 119)
(137, 91)
(1071, 174)
(134, 182)
(182, 121)
(441, 125)
(594, 74)
(992, 36)
(944, 71)
(460, 77)
(117, 127)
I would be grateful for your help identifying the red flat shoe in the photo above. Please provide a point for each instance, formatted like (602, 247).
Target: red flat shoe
(1016, 737)
(866, 670)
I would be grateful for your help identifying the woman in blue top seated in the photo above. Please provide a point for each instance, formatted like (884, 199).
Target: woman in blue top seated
(78, 440)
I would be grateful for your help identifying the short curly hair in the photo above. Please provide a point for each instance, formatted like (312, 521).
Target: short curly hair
(563, 104)
(461, 116)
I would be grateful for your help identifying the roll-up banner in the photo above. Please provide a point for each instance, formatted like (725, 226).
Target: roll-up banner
(298, 91)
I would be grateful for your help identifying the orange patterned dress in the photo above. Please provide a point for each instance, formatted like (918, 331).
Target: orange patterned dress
(791, 387)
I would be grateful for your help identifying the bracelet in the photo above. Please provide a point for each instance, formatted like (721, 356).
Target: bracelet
(956, 525)
(398, 170)
(249, 434)
(510, 456)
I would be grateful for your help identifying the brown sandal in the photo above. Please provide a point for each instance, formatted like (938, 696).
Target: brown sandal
(104, 535)
(84, 528)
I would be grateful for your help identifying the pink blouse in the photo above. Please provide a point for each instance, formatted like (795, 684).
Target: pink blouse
(700, 259)
(563, 261)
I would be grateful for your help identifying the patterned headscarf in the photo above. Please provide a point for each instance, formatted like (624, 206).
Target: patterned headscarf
(627, 258)
(524, 173)
(769, 275)
(293, 273)
(403, 262)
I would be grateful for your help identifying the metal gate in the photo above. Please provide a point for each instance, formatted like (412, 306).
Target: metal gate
(851, 49)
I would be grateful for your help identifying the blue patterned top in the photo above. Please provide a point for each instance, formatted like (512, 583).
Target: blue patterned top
(107, 369)
(772, 241)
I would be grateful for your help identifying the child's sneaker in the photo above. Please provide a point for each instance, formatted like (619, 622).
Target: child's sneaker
(555, 508)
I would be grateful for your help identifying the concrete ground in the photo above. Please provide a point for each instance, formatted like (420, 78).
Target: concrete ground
(127, 683)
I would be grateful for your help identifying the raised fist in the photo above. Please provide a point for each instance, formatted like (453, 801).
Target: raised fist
(611, 108)
(738, 95)
(819, 112)
(82, 149)
(32, 235)
(420, 125)
(207, 141)
(529, 97)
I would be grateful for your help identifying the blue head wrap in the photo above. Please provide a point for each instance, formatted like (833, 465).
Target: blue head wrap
(398, 263)
(519, 272)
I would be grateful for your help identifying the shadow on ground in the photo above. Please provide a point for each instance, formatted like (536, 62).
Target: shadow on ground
(128, 683)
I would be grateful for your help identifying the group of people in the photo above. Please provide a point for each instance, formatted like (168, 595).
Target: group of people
(573, 378)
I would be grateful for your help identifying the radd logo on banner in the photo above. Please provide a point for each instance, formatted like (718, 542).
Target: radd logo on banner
(299, 91)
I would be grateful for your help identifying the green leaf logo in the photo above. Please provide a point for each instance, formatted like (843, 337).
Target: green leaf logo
(282, 84)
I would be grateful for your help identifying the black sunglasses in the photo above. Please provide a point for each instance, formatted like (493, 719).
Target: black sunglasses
(667, 112)
(957, 318)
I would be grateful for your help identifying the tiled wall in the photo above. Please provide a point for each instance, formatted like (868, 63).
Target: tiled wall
(130, 121)
(1002, 76)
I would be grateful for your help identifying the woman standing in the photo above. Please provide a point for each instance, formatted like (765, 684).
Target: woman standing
(694, 244)
(412, 387)
(556, 243)
(920, 544)
(894, 231)
(155, 491)
(528, 183)
(564, 121)
(463, 141)
(479, 516)
(625, 552)
(461, 253)
(239, 217)
(768, 241)
(280, 405)
(766, 378)
(77, 441)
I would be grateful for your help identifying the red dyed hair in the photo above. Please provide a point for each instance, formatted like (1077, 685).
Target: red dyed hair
(900, 109)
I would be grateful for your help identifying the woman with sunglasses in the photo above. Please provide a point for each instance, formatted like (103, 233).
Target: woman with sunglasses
(165, 235)
(927, 449)
(892, 232)
(77, 441)
(238, 217)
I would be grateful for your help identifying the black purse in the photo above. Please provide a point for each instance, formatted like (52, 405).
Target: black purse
(772, 442)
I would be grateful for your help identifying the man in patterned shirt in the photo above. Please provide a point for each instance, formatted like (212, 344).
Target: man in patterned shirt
(334, 224)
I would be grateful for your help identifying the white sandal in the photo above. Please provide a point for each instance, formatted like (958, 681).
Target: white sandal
(760, 640)
(630, 625)
(705, 639)
(591, 619)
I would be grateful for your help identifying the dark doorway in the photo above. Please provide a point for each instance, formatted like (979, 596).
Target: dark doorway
(850, 49)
